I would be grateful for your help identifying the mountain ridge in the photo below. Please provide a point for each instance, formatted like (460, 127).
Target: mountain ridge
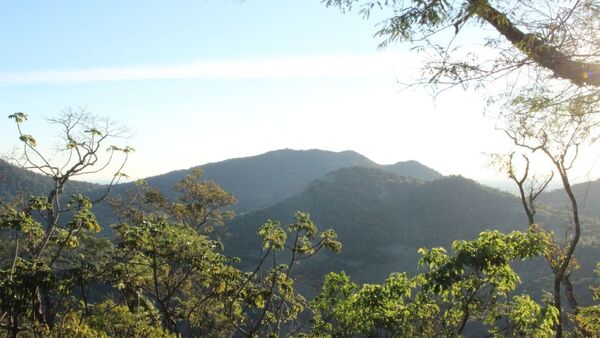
(262, 180)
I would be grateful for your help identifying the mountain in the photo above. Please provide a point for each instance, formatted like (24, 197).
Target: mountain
(413, 169)
(587, 194)
(382, 218)
(15, 181)
(260, 181)
(382, 214)
(257, 181)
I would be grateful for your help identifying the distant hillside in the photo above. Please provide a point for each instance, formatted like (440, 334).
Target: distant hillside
(263, 180)
(413, 169)
(15, 181)
(260, 181)
(382, 218)
(587, 194)
(257, 181)
(18, 182)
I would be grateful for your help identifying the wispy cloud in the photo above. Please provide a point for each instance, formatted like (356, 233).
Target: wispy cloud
(303, 67)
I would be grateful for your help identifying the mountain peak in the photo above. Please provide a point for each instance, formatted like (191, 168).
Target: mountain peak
(413, 169)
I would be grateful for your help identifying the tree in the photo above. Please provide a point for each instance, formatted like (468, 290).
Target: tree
(165, 264)
(558, 37)
(48, 232)
(202, 204)
(474, 283)
(269, 297)
(558, 132)
(170, 269)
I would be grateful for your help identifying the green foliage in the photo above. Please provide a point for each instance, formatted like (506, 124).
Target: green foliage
(172, 277)
(28, 139)
(487, 259)
(270, 297)
(274, 237)
(529, 319)
(471, 284)
(19, 117)
(176, 273)
(202, 203)
(587, 319)
(341, 309)
(114, 320)
(18, 285)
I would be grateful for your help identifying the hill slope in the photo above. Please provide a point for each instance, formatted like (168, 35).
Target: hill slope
(413, 169)
(587, 194)
(260, 181)
(15, 181)
(382, 218)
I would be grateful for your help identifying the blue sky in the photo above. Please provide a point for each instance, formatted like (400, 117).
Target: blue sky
(206, 80)
(85, 34)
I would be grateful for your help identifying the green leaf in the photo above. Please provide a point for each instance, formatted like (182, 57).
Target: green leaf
(28, 139)
(18, 117)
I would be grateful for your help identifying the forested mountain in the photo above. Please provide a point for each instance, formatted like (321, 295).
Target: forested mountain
(260, 181)
(382, 218)
(256, 182)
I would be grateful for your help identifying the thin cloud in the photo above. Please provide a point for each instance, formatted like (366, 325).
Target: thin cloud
(304, 67)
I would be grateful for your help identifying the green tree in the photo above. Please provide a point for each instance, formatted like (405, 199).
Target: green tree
(202, 204)
(587, 319)
(558, 132)
(268, 296)
(48, 234)
(174, 273)
(473, 284)
(166, 267)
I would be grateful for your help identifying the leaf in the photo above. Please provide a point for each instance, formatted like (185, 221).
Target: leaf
(28, 139)
(18, 117)
(93, 131)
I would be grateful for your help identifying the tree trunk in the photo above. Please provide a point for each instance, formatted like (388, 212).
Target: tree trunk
(538, 50)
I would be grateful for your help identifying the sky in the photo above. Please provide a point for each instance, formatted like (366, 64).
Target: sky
(201, 81)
